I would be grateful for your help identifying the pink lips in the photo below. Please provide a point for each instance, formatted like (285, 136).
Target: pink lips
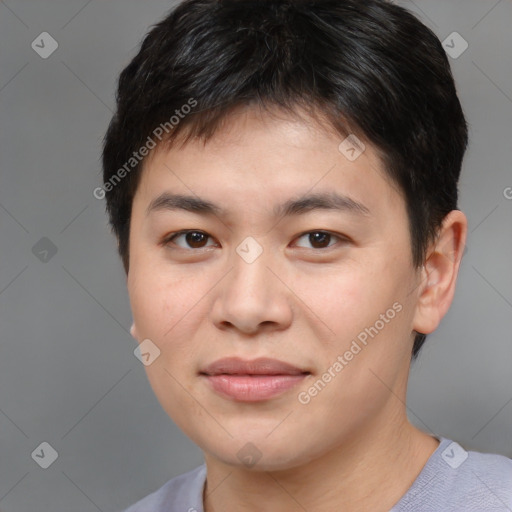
(252, 381)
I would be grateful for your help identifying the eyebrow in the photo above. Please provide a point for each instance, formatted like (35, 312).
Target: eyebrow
(306, 203)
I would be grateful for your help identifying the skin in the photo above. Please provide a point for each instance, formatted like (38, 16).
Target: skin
(351, 447)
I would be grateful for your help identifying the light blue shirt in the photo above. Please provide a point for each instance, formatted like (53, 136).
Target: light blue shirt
(452, 480)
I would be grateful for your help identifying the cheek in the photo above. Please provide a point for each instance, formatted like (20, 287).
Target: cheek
(157, 299)
(368, 321)
(166, 310)
(347, 299)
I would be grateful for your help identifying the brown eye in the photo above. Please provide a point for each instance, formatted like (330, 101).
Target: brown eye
(318, 239)
(193, 239)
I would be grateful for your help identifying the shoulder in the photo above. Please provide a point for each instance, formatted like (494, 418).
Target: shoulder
(455, 479)
(485, 471)
(183, 493)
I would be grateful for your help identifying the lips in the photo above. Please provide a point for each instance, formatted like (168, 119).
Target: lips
(252, 381)
(261, 366)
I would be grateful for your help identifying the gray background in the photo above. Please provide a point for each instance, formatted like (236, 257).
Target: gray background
(68, 375)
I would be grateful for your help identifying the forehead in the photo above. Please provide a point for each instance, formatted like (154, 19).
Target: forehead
(268, 158)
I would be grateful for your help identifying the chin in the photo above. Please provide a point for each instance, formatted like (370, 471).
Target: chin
(259, 453)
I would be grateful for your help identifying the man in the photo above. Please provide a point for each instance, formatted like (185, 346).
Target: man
(282, 177)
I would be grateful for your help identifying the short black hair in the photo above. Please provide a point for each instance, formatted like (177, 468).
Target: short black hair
(369, 67)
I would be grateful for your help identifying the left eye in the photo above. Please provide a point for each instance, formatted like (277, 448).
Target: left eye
(194, 239)
(319, 239)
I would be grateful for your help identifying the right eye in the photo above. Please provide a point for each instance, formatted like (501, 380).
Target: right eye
(195, 239)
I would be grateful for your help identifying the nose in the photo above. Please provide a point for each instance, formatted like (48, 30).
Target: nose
(253, 296)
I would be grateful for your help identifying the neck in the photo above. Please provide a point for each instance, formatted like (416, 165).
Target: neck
(353, 477)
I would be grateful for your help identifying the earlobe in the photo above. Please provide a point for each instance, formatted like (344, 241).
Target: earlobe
(133, 331)
(439, 273)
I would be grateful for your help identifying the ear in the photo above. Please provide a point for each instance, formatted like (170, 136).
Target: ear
(133, 331)
(439, 273)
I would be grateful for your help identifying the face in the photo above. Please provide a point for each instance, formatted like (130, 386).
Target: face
(324, 286)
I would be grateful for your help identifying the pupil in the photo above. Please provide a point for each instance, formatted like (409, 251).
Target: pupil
(321, 238)
(194, 238)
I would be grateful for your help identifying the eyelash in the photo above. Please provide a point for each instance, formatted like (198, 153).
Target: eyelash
(167, 240)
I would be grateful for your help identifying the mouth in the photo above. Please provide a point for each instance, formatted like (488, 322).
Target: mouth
(252, 381)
